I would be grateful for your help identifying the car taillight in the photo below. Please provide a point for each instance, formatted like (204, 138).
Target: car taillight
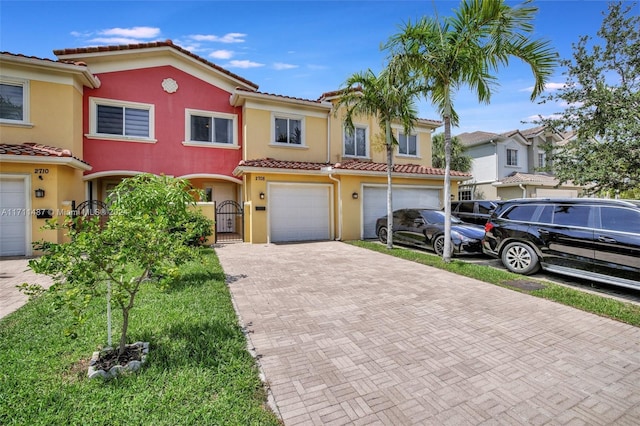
(488, 227)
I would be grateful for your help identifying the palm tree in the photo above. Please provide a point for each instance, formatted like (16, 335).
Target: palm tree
(389, 99)
(466, 49)
(459, 160)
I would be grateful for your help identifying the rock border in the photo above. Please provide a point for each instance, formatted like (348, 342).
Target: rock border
(131, 366)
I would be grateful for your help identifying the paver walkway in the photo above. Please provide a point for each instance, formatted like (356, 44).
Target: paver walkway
(13, 272)
(349, 336)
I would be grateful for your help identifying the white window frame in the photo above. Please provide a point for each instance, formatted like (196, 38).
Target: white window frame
(366, 141)
(417, 154)
(285, 116)
(93, 120)
(25, 100)
(211, 114)
(542, 159)
(515, 153)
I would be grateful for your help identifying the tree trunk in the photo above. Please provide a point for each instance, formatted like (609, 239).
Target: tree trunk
(389, 194)
(446, 255)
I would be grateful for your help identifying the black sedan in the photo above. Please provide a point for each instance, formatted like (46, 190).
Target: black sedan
(425, 228)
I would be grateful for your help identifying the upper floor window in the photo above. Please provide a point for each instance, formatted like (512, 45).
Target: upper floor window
(355, 142)
(120, 119)
(14, 100)
(512, 157)
(288, 130)
(542, 159)
(204, 127)
(408, 144)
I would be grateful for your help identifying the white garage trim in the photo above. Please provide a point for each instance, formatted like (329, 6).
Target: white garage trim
(374, 202)
(15, 215)
(299, 212)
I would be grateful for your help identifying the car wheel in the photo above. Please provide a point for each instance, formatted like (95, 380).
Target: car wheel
(382, 235)
(520, 258)
(438, 245)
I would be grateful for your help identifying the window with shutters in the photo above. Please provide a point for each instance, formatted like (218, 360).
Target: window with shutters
(111, 119)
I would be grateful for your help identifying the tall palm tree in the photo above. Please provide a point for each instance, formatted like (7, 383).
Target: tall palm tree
(390, 99)
(466, 49)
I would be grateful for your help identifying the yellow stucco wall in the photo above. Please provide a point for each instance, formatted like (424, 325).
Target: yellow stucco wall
(55, 110)
(258, 135)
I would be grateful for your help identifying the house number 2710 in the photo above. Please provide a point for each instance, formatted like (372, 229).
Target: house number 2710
(41, 171)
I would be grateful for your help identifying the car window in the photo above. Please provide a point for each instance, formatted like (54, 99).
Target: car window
(568, 215)
(466, 208)
(485, 208)
(522, 213)
(546, 215)
(620, 219)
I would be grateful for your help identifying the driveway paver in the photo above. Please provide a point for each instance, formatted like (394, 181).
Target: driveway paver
(13, 272)
(345, 335)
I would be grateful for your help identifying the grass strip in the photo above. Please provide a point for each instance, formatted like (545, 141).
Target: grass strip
(198, 370)
(604, 306)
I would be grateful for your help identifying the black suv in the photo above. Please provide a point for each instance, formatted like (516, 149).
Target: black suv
(473, 211)
(594, 239)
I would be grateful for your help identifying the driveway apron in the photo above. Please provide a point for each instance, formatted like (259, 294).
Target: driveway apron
(346, 335)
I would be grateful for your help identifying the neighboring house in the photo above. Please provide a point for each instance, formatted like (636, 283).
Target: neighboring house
(512, 165)
(41, 152)
(286, 166)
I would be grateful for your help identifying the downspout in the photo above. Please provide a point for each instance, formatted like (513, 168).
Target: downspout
(524, 190)
(329, 136)
(339, 237)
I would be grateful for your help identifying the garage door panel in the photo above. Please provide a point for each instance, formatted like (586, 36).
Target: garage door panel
(375, 203)
(13, 217)
(299, 212)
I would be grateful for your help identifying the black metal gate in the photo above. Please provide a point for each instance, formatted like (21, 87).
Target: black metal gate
(229, 222)
(92, 208)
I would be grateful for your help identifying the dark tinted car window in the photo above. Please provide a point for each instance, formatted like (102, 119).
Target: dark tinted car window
(567, 215)
(546, 215)
(485, 208)
(466, 208)
(523, 213)
(618, 219)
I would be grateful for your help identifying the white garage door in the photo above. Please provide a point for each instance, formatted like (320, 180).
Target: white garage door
(299, 212)
(375, 203)
(556, 193)
(13, 217)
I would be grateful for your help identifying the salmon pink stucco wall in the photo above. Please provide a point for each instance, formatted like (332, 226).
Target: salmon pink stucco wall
(168, 155)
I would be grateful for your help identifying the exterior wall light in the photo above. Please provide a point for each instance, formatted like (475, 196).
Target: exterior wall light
(262, 195)
(354, 195)
(39, 193)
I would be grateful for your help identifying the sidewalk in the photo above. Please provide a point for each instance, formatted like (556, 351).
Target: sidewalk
(13, 272)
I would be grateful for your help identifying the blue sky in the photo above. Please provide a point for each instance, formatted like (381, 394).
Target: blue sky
(293, 48)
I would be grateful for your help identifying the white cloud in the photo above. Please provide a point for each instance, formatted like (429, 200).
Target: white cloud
(135, 32)
(227, 38)
(244, 64)
(282, 66)
(221, 54)
(115, 40)
(549, 87)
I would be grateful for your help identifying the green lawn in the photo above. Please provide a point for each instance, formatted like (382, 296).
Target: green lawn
(198, 369)
(599, 305)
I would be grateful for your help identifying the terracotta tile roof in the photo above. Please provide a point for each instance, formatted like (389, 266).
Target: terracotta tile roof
(167, 43)
(528, 178)
(350, 165)
(316, 101)
(36, 150)
(53, 61)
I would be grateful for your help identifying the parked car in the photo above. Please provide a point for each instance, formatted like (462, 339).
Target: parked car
(425, 228)
(594, 239)
(473, 211)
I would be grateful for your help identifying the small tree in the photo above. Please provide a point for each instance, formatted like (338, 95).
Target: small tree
(602, 92)
(145, 239)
